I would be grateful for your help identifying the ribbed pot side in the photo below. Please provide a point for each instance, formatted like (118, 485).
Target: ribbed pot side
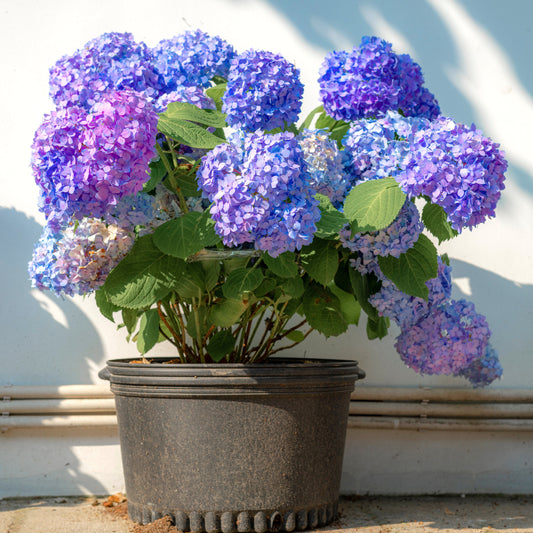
(233, 447)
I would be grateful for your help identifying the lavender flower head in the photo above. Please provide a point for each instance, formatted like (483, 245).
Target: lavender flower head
(192, 59)
(371, 80)
(325, 165)
(259, 194)
(483, 371)
(447, 341)
(263, 92)
(393, 240)
(113, 61)
(78, 260)
(189, 94)
(457, 168)
(84, 163)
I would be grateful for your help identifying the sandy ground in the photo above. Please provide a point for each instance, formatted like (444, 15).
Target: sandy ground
(429, 514)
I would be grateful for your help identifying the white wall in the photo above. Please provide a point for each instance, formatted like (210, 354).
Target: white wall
(476, 59)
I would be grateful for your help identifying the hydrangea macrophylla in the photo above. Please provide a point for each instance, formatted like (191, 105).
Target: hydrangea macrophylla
(325, 165)
(259, 192)
(485, 370)
(190, 95)
(371, 80)
(446, 341)
(78, 259)
(407, 310)
(457, 168)
(264, 92)
(393, 240)
(192, 59)
(113, 61)
(84, 163)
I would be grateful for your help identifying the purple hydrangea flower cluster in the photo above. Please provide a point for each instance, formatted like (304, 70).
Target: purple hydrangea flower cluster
(371, 80)
(407, 310)
(263, 92)
(78, 260)
(84, 163)
(325, 165)
(393, 240)
(446, 341)
(457, 168)
(259, 193)
(192, 59)
(113, 61)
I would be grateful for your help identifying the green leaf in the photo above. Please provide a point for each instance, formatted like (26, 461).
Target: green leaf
(309, 119)
(377, 328)
(362, 290)
(293, 287)
(227, 312)
(157, 173)
(143, 277)
(198, 323)
(350, 307)
(283, 266)
(436, 221)
(221, 344)
(211, 271)
(267, 285)
(216, 93)
(320, 260)
(324, 121)
(186, 181)
(242, 281)
(186, 235)
(373, 205)
(185, 111)
(331, 220)
(322, 311)
(411, 270)
(130, 317)
(191, 282)
(296, 336)
(188, 133)
(104, 305)
(148, 331)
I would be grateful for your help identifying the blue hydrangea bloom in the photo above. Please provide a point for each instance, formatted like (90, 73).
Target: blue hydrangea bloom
(446, 341)
(78, 259)
(259, 193)
(457, 168)
(371, 80)
(189, 94)
(483, 371)
(192, 59)
(113, 61)
(325, 165)
(263, 92)
(84, 163)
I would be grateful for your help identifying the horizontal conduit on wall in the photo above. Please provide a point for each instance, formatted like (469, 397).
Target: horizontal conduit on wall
(371, 408)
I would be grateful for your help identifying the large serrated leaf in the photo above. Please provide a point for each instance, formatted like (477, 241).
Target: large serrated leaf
(157, 173)
(227, 312)
(148, 331)
(188, 133)
(331, 219)
(242, 281)
(320, 260)
(221, 344)
(373, 205)
(436, 221)
(143, 277)
(349, 306)
(186, 235)
(104, 305)
(322, 311)
(217, 93)
(412, 269)
(185, 111)
(283, 266)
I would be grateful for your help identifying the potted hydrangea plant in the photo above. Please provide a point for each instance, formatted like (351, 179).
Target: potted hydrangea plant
(180, 187)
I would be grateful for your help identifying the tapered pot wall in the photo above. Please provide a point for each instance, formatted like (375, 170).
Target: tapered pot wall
(233, 447)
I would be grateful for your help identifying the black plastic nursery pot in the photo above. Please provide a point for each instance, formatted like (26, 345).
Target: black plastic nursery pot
(233, 448)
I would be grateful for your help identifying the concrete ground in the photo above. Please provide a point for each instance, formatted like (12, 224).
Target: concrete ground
(429, 514)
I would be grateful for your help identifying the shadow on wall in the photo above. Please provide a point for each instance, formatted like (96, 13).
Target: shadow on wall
(40, 332)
